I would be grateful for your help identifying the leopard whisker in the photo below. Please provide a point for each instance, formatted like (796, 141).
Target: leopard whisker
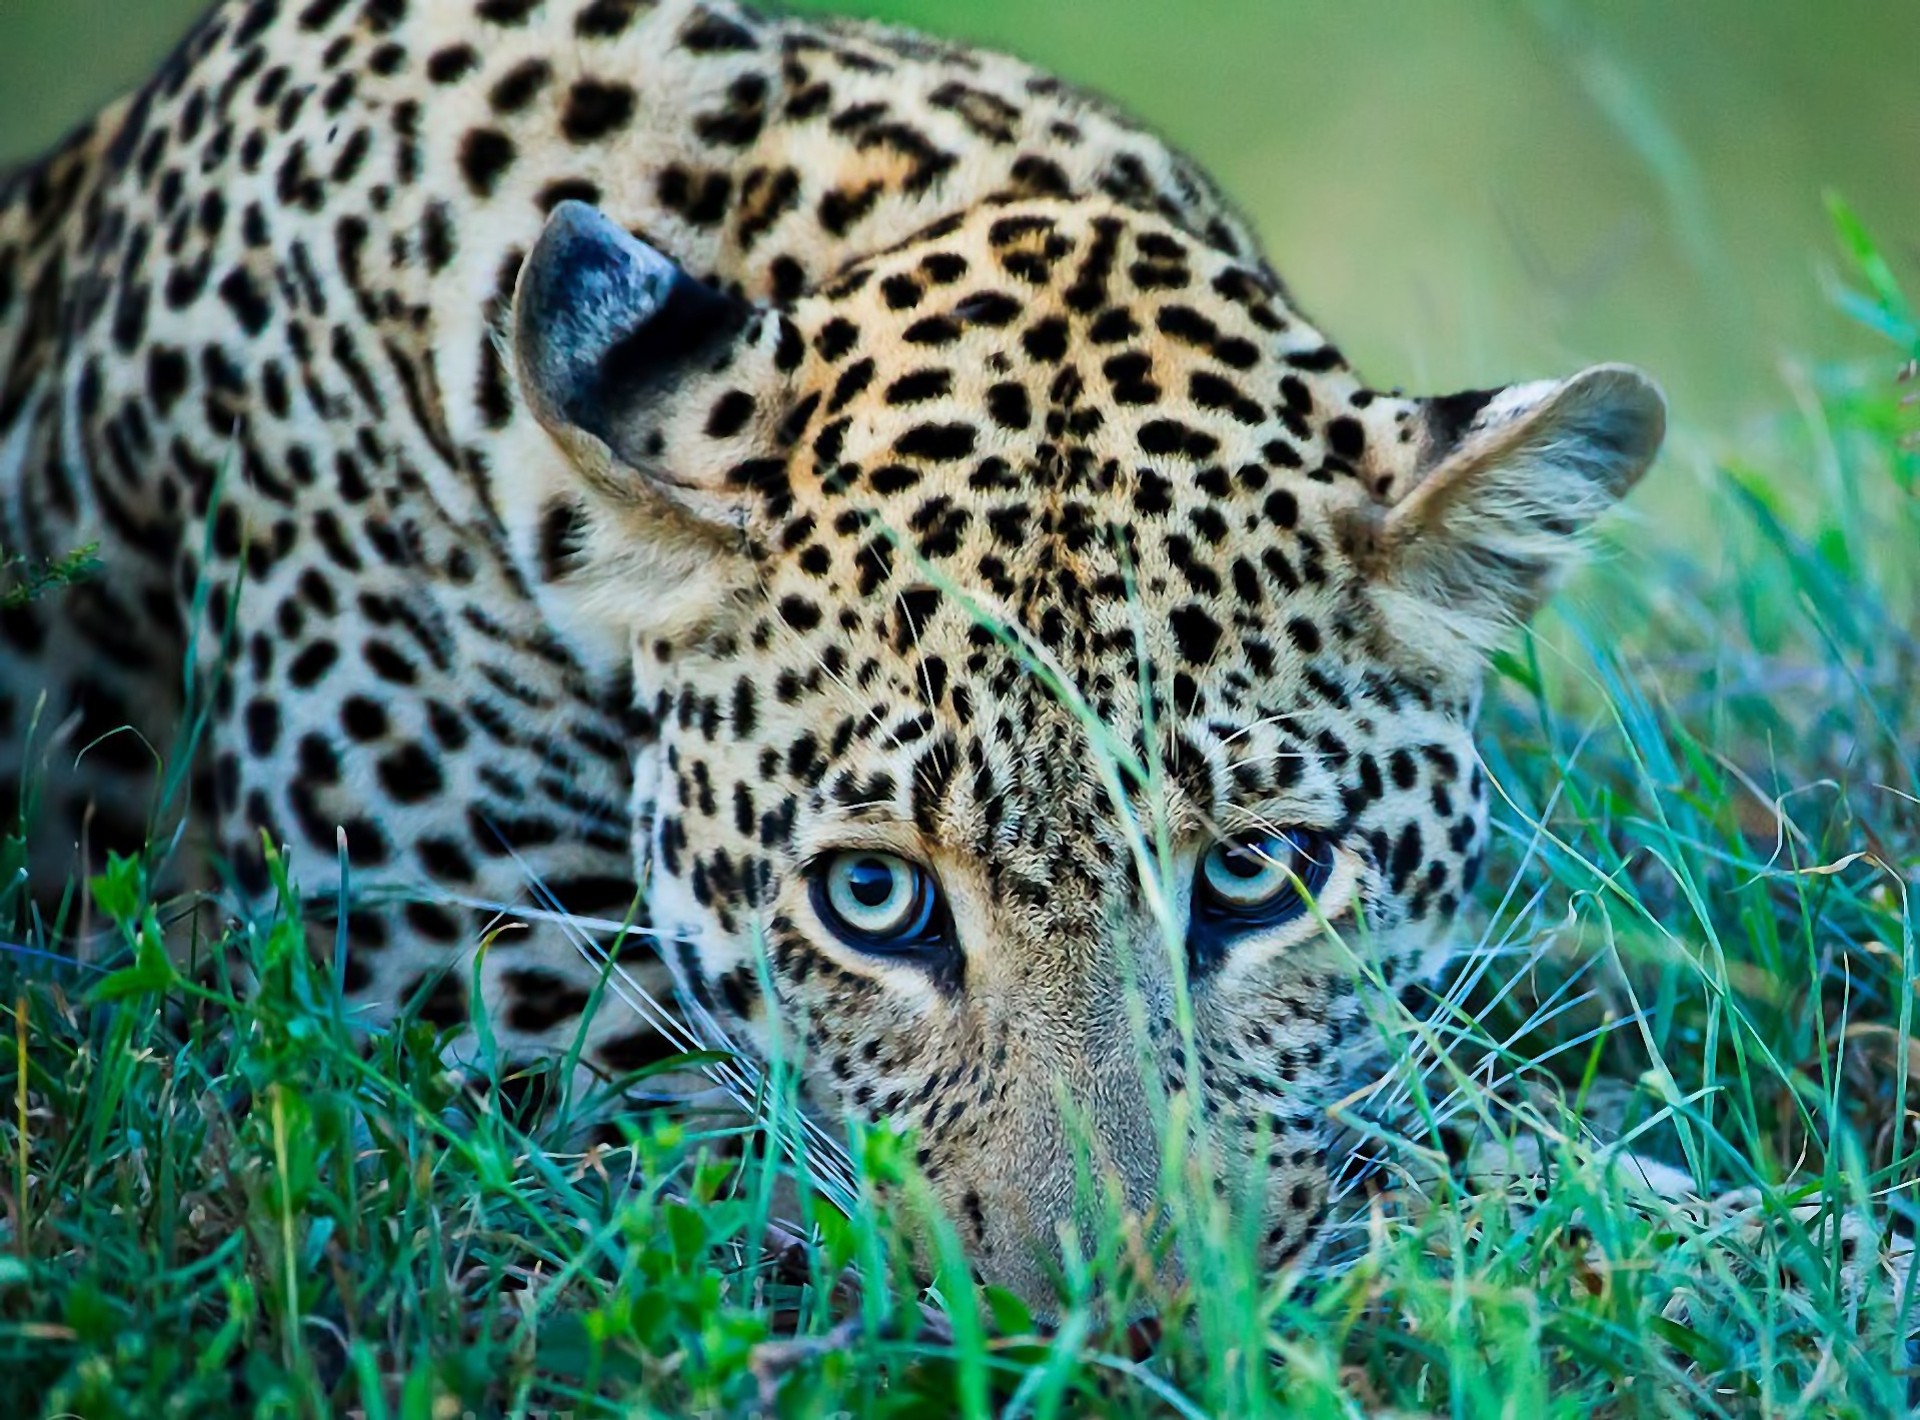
(742, 1082)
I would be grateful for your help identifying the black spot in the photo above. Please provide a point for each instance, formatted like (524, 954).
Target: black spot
(317, 16)
(595, 109)
(1046, 340)
(452, 64)
(638, 1051)
(933, 330)
(364, 720)
(508, 13)
(167, 374)
(1170, 436)
(410, 774)
(311, 664)
(1198, 634)
(263, 726)
(836, 338)
(485, 154)
(699, 197)
(520, 85)
(729, 414)
(916, 608)
(541, 1000)
(799, 613)
(709, 33)
(1405, 773)
(1009, 230)
(567, 190)
(437, 241)
(388, 663)
(1041, 177)
(789, 278)
(841, 207)
(1008, 404)
(1112, 326)
(604, 19)
(855, 378)
(318, 762)
(1315, 361)
(902, 293)
(1152, 494)
(988, 308)
(920, 386)
(892, 478)
(939, 443)
(245, 300)
(1210, 391)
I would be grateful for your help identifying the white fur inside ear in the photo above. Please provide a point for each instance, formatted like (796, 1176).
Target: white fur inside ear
(1514, 401)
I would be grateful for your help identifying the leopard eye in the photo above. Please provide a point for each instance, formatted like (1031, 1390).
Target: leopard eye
(878, 902)
(1262, 881)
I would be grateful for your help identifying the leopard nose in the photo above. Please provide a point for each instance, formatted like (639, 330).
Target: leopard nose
(1071, 1155)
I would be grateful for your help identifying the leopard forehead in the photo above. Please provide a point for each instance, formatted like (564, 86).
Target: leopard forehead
(1067, 359)
(1064, 436)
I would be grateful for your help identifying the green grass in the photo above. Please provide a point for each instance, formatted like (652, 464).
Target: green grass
(220, 1202)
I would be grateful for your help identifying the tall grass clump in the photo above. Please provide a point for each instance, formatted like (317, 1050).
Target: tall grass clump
(1694, 971)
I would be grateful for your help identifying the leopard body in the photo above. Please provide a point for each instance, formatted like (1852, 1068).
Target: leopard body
(583, 449)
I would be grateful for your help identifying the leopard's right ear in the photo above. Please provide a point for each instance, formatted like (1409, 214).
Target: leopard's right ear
(664, 395)
(614, 345)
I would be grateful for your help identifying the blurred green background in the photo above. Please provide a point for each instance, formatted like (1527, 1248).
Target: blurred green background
(1461, 191)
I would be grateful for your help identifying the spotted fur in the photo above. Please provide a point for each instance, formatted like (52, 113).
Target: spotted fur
(624, 445)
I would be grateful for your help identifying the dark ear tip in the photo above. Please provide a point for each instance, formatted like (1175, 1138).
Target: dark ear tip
(599, 315)
(1618, 415)
(572, 216)
(1624, 406)
(585, 264)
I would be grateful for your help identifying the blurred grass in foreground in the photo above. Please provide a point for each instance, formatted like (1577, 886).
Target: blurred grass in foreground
(1711, 772)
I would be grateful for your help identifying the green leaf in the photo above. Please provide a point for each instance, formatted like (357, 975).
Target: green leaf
(1011, 1316)
(119, 890)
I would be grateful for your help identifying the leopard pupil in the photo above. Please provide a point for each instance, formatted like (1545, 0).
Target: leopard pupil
(870, 881)
(1244, 865)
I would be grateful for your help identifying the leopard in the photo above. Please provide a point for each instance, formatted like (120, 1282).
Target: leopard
(851, 504)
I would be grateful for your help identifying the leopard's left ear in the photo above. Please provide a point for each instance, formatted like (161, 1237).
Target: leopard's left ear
(1507, 482)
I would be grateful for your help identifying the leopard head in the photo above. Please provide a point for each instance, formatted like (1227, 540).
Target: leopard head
(1059, 673)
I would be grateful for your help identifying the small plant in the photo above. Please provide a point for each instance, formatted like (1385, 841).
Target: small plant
(23, 581)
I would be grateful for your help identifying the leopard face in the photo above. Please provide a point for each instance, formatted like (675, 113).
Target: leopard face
(1059, 673)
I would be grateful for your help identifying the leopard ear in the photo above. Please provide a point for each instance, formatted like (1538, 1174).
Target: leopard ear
(1508, 482)
(606, 330)
(656, 388)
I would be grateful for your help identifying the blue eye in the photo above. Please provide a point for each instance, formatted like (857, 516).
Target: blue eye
(877, 902)
(1251, 883)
